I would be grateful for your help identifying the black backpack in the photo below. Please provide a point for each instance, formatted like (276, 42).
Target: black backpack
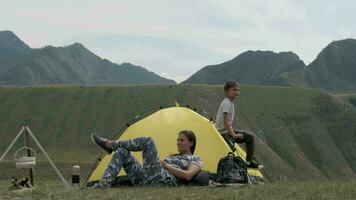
(232, 169)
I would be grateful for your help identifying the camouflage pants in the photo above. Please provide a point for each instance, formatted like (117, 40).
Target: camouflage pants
(150, 173)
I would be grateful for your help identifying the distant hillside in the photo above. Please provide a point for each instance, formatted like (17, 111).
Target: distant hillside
(74, 64)
(251, 67)
(302, 133)
(334, 69)
(12, 50)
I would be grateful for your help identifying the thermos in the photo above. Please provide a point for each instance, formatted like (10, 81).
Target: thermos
(76, 176)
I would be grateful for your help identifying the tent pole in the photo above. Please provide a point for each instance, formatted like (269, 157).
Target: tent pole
(92, 170)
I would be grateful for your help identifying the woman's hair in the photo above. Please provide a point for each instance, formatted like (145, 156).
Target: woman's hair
(191, 137)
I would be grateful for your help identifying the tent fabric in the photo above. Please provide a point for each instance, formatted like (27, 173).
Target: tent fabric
(163, 126)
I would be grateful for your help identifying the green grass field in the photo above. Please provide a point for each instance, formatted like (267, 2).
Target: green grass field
(349, 98)
(302, 134)
(279, 190)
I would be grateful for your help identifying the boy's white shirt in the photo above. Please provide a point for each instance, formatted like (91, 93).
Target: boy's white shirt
(226, 106)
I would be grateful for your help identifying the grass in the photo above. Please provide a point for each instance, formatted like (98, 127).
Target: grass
(43, 171)
(277, 190)
(349, 98)
(302, 134)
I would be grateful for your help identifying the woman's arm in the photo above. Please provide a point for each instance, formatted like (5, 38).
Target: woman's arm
(187, 175)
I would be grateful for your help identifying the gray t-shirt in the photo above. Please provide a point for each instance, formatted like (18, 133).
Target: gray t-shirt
(226, 106)
(182, 161)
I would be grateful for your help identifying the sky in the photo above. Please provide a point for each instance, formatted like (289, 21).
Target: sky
(176, 38)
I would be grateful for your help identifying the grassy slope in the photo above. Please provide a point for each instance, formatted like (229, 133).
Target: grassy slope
(299, 129)
(292, 123)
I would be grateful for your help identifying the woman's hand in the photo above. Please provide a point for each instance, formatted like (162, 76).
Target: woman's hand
(187, 175)
(164, 164)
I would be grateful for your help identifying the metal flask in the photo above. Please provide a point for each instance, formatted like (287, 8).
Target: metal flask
(76, 176)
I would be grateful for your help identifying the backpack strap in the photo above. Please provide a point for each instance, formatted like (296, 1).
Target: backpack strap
(231, 153)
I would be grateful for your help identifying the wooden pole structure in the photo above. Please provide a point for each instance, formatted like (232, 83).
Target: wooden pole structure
(27, 144)
(28, 135)
(47, 156)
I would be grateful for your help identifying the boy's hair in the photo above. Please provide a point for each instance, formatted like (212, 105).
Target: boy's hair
(230, 84)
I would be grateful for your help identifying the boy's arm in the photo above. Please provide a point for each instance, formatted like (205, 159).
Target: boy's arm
(228, 127)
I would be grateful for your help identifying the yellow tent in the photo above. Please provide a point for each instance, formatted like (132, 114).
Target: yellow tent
(163, 126)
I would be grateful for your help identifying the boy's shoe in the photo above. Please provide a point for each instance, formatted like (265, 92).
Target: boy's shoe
(100, 142)
(254, 165)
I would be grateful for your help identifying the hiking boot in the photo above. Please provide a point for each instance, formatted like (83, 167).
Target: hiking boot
(254, 165)
(100, 142)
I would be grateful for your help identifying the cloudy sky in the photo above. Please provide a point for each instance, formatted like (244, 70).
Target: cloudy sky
(175, 38)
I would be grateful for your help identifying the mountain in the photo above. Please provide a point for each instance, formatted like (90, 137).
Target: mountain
(251, 67)
(334, 69)
(74, 64)
(12, 49)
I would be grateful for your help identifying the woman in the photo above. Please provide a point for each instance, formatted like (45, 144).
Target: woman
(181, 166)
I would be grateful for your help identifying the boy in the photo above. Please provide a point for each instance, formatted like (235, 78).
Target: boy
(224, 119)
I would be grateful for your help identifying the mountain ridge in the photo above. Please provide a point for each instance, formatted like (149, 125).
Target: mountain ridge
(333, 69)
(250, 67)
(72, 64)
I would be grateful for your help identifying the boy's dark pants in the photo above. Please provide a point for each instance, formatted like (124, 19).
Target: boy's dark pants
(248, 139)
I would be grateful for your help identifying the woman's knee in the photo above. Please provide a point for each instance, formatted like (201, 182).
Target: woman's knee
(149, 140)
(121, 152)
